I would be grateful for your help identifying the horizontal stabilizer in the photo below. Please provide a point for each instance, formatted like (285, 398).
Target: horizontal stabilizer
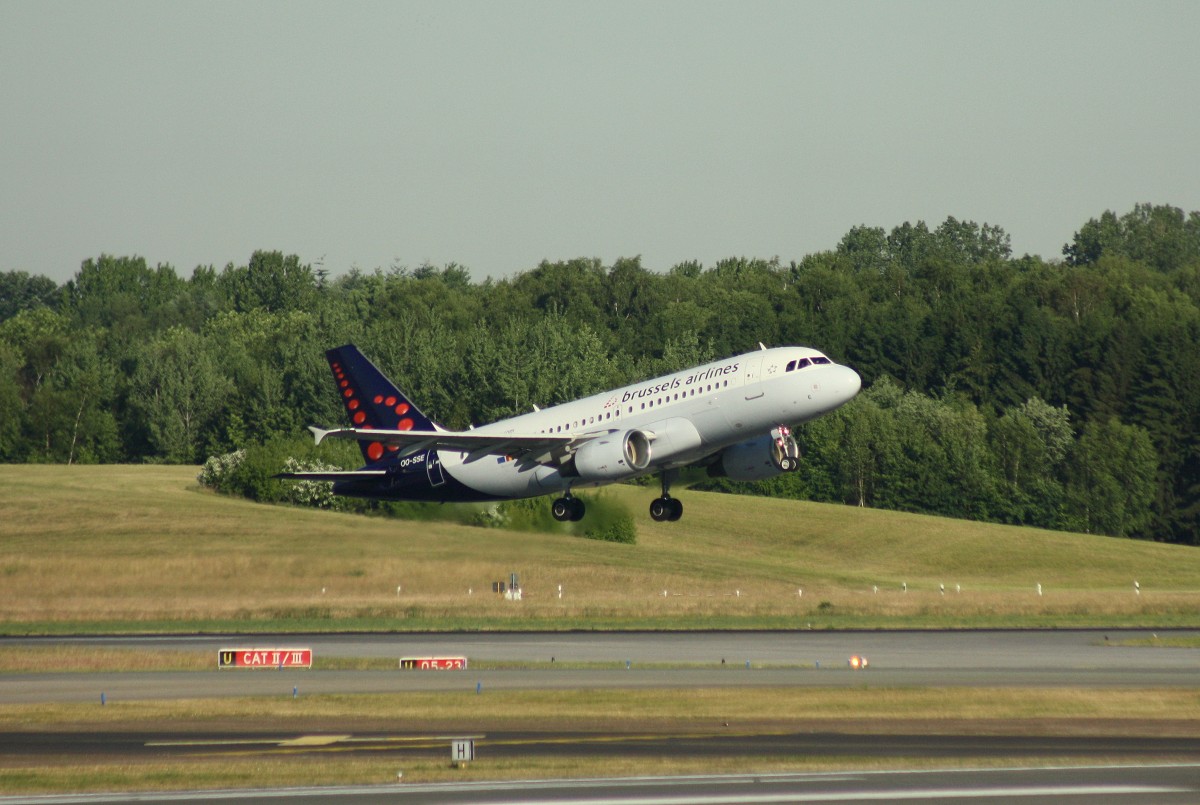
(318, 433)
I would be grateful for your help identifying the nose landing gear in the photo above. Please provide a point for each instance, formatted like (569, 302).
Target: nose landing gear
(784, 450)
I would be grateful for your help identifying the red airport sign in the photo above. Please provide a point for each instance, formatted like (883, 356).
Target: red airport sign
(264, 658)
(433, 663)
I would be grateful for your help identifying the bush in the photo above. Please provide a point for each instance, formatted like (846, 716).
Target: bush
(250, 473)
(310, 493)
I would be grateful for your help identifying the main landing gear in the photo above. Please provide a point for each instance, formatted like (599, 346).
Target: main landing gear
(567, 508)
(666, 508)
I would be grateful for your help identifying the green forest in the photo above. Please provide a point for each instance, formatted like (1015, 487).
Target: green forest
(1059, 392)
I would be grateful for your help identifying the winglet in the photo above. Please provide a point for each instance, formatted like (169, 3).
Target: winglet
(318, 433)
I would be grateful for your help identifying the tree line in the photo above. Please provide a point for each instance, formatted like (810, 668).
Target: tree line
(1062, 393)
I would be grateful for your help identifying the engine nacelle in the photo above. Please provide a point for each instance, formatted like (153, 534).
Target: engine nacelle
(757, 459)
(615, 456)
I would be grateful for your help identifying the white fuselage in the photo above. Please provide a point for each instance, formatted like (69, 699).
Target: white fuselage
(694, 413)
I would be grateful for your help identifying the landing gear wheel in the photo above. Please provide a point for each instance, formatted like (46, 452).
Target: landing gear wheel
(676, 507)
(660, 509)
(577, 510)
(562, 508)
(666, 509)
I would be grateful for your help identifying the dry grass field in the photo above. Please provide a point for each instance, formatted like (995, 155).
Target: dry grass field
(133, 548)
(106, 549)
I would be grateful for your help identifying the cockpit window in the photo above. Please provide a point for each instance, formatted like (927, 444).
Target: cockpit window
(800, 364)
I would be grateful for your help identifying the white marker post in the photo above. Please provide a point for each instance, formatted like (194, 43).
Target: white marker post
(462, 750)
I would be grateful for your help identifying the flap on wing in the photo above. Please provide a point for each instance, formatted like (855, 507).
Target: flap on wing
(476, 444)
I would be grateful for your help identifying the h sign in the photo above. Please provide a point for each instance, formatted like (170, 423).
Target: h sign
(462, 750)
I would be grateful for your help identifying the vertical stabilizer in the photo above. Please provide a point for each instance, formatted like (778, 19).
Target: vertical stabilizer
(371, 400)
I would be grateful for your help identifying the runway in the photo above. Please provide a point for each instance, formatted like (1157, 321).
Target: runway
(1067, 659)
(1096, 785)
(1076, 658)
(99, 744)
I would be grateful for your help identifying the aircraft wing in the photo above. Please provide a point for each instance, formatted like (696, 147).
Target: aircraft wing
(540, 448)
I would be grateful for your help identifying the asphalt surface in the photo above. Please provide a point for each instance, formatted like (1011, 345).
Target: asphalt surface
(1077, 658)
(1094, 785)
(162, 745)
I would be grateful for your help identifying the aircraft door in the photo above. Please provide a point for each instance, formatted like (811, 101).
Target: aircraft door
(754, 389)
(433, 468)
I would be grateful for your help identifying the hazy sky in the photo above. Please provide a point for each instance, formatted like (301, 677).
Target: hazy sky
(499, 134)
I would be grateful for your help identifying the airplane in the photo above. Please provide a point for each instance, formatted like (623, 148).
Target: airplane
(732, 416)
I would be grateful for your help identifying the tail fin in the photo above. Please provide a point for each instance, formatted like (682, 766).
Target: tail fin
(371, 400)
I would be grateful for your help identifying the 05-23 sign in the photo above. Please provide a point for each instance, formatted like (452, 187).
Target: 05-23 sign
(433, 663)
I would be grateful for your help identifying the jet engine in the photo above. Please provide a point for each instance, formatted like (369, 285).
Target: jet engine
(614, 456)
(759, 458)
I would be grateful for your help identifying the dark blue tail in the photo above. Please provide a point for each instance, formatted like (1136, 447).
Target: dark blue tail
(371, 400)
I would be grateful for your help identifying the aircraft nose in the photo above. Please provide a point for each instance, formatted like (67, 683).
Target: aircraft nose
(850, 383)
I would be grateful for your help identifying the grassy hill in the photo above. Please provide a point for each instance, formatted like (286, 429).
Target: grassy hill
(124, 548)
